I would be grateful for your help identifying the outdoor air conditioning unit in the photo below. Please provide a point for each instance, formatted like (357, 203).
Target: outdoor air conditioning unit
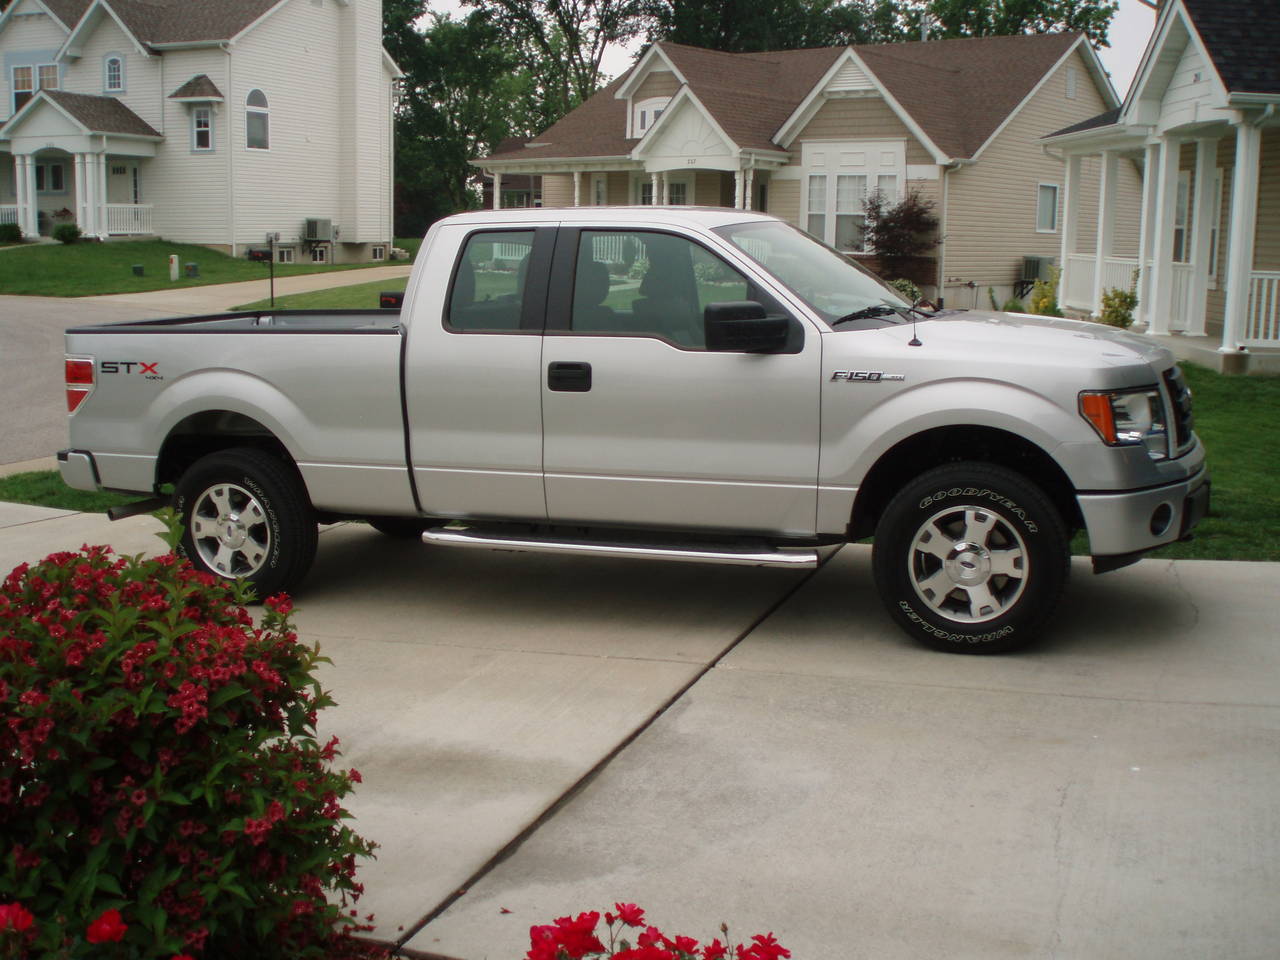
(318, 229)
(1036, 268)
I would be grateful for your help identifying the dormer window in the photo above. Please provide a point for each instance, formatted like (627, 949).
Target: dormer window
(646, 114)
(113, 73)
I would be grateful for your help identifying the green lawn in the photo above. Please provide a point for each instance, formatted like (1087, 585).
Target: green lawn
(1236, 417)
(358, 296)
(89, 269)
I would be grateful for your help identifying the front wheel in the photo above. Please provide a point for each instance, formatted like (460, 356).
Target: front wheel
(971, 558)
(246, 516)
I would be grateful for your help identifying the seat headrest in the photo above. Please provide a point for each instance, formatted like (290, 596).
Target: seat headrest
(592, 282)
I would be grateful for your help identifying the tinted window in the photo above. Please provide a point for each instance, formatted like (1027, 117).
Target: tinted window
(649, 284)
(489, 284)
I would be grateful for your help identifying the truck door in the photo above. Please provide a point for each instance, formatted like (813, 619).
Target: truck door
(472, 382)
(642, 424)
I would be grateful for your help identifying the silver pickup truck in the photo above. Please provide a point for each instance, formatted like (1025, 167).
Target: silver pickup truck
(675, 383)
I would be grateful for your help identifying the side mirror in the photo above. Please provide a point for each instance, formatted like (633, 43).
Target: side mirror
(741, 326)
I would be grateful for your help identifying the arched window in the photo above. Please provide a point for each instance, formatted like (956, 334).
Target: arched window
(257, 121)
(113, 73)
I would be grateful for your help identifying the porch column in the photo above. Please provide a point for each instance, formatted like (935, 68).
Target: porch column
(1070, 222)
(739, 178)
(1106, 225)
(20, 189)
(1244, 219)
(497, 191)
(666, 189)
(29, 213)
(577, 188)
(82, 206)
(1202, 221)
(750, 186)
(104, 217)
(1146, 234)
(657, 189)
(91, 200)
(1160, 293)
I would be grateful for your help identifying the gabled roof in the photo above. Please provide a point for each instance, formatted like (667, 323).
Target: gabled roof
(163, 22)
(1093, 123)
(1242, 38)
(68, 11)
(956, 92)
(199, 87)
(97, 115)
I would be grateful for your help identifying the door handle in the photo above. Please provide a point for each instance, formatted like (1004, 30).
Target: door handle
(569, 376)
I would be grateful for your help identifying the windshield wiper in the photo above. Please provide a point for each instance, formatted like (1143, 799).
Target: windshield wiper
(866, 313)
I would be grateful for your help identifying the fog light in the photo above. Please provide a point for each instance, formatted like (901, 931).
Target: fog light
(1161, 519)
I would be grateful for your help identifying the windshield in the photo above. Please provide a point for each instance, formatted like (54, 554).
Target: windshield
(831, 284)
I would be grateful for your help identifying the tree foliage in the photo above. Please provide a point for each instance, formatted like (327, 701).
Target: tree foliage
(900, 232)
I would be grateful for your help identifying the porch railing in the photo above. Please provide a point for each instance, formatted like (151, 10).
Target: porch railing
(1262, 319)
(128, 218)
(8, 213)
(1078, 292)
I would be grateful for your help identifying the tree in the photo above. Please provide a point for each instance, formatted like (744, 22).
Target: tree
(560, 42)
(900, 233)
(742, 26)
(462, 94)
(985, 18)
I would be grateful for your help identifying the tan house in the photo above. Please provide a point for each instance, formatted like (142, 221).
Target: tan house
(1201, 121)
(807, 135)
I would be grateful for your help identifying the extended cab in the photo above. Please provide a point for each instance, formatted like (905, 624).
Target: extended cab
(678, 383)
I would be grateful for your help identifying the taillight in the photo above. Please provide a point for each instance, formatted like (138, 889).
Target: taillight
(79, 382)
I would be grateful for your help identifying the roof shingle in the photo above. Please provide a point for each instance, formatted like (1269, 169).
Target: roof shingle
(1242, 37)
(101, 114)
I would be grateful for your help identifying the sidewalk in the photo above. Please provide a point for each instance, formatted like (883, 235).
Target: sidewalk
(215, 298)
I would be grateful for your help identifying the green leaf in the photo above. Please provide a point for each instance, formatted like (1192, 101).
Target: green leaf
(226, 694)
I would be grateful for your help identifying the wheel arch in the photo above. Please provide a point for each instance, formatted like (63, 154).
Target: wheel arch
(912, 456)
(210, 431)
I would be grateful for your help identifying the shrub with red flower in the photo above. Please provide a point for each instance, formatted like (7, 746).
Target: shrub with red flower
(573, 939)
(161, 785)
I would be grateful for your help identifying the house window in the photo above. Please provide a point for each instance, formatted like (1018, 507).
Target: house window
(1213, 227)
(113, 73)
(678, 193)
(841, 177)
(284, 255)
(48, 76)
(645, 197)
(379, 252)
(24, 86)
(646, 114)
(257, 121)
(599, 189)
(1047, 208)
(817, 224)
(51, 178)
(202, 128)
(320, 254)
(1182, 219)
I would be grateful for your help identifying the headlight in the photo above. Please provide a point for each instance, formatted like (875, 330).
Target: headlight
(1125, 417)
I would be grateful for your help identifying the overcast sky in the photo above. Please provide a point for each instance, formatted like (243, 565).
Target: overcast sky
(1128, 35)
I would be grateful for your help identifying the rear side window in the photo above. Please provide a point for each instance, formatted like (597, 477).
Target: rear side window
(490, 281)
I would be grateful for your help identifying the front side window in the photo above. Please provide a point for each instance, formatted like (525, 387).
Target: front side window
(257, 121)
(489, 283)
(677, 280)
(202, 128)
(832, 285)
(1047, 208)
(113, 74)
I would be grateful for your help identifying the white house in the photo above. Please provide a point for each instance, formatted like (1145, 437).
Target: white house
(204, 121)
(1203, 123)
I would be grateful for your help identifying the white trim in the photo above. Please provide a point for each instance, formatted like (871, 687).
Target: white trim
(1095, 69)
(84, 26)
(792, 126)
(8, 11)
(684, 95)
(641, 71)
(1150, 58)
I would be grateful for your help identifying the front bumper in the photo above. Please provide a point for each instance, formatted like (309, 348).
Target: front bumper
(1136, 521)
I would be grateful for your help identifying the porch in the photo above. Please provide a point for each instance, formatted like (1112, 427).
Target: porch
(102, 195)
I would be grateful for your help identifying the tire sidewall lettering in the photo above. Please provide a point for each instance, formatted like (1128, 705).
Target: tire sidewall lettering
(252, 485)
(980, 493)
(940, 634)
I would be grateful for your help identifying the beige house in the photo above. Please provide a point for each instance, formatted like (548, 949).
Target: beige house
(214, 122)
(1201, 121)
(807, 135)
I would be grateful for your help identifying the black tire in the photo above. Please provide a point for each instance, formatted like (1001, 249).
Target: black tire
(246, 515)
(399, 528)
(971, 558)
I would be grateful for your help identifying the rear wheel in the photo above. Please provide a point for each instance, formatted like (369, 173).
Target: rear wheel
(246, 516)
(971, 558)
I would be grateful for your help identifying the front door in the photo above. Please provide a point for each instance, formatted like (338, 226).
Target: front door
(642, 425)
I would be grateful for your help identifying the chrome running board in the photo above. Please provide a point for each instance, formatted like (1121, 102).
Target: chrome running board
(746, 555)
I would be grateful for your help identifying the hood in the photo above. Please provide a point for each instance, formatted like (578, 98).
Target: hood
(1039, 340)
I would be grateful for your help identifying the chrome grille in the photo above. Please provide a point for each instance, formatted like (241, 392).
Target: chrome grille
(1184, 420)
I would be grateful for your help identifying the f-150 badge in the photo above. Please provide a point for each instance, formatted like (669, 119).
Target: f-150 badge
(866, 376)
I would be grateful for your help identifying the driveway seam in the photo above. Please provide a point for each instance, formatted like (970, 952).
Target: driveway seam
(599, 767)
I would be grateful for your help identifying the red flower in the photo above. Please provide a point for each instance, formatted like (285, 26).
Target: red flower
(182, 956)
(715, 950)
(14, 916)
(764, 947)
(650, 952)
(575, 938)
(280, 603)
(108, 928)
(630, 914)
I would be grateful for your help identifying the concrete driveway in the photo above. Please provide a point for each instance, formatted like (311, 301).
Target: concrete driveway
(759, 747)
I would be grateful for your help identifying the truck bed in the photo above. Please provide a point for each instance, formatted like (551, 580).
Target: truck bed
(265, 321)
